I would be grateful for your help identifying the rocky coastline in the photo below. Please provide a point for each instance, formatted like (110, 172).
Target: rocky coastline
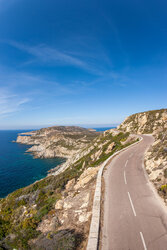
(55, 212)
(58, 141)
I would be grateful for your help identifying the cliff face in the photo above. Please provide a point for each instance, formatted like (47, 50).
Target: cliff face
(152, 122)
(57, 141)
(54, 213)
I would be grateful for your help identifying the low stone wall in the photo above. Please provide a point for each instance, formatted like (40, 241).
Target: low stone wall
(93, 238)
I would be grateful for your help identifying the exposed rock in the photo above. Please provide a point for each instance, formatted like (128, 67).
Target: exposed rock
(85, 201)
(77, 207)
(59, 204)
(146, 122)
(155, 123)
(57, 141)
(84, 217)
(112, 131)
(48, 225)
(70, 184)
(96, 155)
(86, 176)
(164, 116)
(67, 205)
(110, 148)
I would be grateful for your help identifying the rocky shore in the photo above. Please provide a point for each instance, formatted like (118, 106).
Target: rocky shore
(58, 141)
(55, 212)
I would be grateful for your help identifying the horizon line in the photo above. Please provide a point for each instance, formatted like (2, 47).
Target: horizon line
(47, 126)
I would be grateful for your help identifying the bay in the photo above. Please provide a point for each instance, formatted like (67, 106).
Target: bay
(17, 168)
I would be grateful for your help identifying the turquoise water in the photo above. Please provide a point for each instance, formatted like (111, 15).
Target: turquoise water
(18, 169)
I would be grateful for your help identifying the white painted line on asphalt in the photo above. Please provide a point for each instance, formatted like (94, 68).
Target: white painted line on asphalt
(125, 178)
(131, 204)
(143, 241)
(126, 163)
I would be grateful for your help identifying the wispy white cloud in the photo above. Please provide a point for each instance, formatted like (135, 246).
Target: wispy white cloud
(47, 55)
(109, 79)
(10, 103)
(37, 86)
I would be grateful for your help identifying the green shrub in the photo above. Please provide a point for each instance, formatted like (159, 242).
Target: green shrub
(163, 188)
(3, 228)
(45, 193)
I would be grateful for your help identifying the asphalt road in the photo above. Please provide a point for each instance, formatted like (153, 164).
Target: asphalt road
(134, 216)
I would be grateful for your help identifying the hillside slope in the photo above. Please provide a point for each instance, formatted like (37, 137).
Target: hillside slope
(149, 122)
(54, 213)
(57, 141)
(152, 122)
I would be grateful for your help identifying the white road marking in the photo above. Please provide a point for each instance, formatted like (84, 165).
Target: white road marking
(126, 163)
(131, 204)
(125, 178)
(143, 241)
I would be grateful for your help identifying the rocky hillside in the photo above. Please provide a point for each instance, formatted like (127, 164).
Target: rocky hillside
(149, 122)
(152, 122)
(54, 213)
(57, 141)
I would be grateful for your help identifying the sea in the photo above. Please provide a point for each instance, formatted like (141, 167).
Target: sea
(18, 168)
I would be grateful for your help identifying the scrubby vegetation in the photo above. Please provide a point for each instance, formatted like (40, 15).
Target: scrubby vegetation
(63, 239)
(152, 121)
(23, 210)
(163, 191)
(57, 141)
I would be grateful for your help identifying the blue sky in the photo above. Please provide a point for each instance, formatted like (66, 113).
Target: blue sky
(75, 62)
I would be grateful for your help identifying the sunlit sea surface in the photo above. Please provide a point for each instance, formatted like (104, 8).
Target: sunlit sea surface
(18, 168)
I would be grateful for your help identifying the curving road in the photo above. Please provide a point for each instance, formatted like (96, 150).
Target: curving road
(134, 216)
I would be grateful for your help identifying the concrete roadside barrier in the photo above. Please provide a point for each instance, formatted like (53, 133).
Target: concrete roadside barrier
(93, 238)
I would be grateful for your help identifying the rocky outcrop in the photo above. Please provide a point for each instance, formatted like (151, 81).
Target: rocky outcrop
(73, 210)
(55, 212)
(152, 122)
(146, 122)
(156, 163)
(85, 177)
(110, 147)
(57, 141)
